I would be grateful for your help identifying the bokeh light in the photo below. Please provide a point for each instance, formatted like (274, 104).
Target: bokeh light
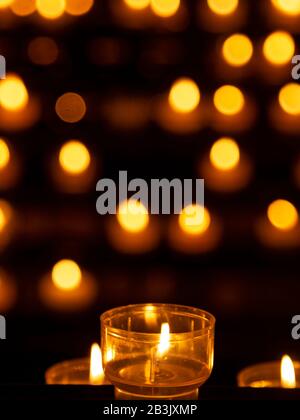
(225, 154)
(229, 100)
(13, 93)
(165, 8)
(194, 219)
(5, 3)
(4, 154)
(279, 48)
(43, 51)
(70, 107)
(74, 157)
(184, 96)
(51, 9)
(23, 7)
(78, 7)
(223, 7)
(66, 275)
(5, 214)
(283, 215)
(237, 50)
(137, 4)
(133, 216)
(288, 7)
(289, 99)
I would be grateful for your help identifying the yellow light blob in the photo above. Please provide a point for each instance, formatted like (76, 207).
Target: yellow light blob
(229, 100)
(4, 154)
(287, 373)
(184, 96)
(13, 93)
(225, 154)
(5, 3)
(137, 4)
(74, 157)
(133, 216)
(5, 214)
(288, 7)
(23, 7)
(237, 50)
(78, 7)
(283, 215)
(165, 8)
(223, 7)
(66, 275)
(70, 107)
(289, 98)
(194, 219)
(279, 48)
(51, 9)
(96, 369)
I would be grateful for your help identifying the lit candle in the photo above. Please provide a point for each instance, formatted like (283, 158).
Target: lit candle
(227, 168)
(180, 110)
(87, 371)
(132, 230)
(18, 110)
(168, 359)
(73, 168)
(67, 287)
(195, 230)
(284, 374)
(280, 227)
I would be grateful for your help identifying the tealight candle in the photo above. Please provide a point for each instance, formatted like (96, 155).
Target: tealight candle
(67, 287)
(157, 351)
(194, 231)
(227, 168)
(284, 374)
(78, 371)
(280, 227)
(180, 110)
(132, 230)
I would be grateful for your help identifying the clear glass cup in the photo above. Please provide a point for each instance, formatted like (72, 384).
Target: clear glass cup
(157, 351)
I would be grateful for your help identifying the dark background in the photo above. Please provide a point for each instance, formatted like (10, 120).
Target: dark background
(253, 291)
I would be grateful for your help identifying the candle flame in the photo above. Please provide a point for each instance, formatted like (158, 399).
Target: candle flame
(96, 368)
(164, 342)
(288, 377)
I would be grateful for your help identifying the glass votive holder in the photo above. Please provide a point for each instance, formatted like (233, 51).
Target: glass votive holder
(157, 351)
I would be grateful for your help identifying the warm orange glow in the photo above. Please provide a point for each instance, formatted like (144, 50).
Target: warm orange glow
(78, 7)
(184, 96)
(279, 48)
(237, 50)
(70, 107)
(5, 214)
(283, 215)
(51, 9)
(74, 157)
(5, 3)
(194, 219)
(43, 51)
(229, 100)
(96, 368)
(288, 377)
(66, 275)
(289, 98)
(225, 154)
(165, 8)
(137, 4)
(288, 7)
(223, 7)
(133, 216)
(13, 93)
(164, 341)
(150, 315)
(4, 154)
(23, 7)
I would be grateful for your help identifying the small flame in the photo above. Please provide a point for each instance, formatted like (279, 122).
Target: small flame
(96, 368)
(164, 342)
(288, 377)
